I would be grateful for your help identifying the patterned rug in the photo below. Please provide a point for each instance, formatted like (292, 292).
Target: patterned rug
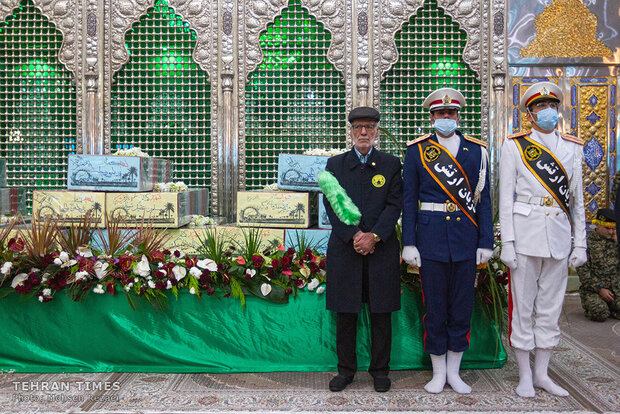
(593, 382)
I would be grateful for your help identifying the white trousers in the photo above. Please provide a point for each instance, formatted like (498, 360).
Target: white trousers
(537, 287)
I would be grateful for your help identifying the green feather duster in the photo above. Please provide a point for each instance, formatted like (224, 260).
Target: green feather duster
(341, 203)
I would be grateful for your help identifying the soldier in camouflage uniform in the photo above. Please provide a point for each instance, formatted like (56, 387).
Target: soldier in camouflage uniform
(600, 281)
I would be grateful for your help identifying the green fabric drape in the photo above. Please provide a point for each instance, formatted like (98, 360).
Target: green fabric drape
(103, 334)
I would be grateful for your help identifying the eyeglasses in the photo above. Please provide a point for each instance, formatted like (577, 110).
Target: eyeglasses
(358, 127)
(547, 104)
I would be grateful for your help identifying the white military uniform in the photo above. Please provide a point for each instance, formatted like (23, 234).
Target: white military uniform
(541, 236)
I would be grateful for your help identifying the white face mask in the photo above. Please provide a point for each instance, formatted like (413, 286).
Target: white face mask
(445, 126)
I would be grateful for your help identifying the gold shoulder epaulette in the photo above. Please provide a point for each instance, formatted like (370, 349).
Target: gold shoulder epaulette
(518, 134)
(475, 140)
(418, 139)
(571, 138)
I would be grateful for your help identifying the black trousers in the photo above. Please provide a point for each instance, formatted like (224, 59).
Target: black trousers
(380, 337)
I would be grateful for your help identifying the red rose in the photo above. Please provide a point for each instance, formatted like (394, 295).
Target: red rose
(125, 262)
(160, 285)
(166, 252)
(290, 251)
(159, 274)
(286, 261)
(257, 260)
(314, 268)
(275, 263)
(16, 245)
(110, 288)
(270, 272)
(177, 253)
(299, 282)
(307, 254)
(322, 264)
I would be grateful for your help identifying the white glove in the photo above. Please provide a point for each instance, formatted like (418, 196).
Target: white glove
(577, 257)
(508, 255)
(411, 256)
(483, 255)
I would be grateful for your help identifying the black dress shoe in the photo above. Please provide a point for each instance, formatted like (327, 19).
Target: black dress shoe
(339, 383)
(382, 384)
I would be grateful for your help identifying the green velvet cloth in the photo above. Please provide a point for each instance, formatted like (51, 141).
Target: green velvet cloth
(103, 334)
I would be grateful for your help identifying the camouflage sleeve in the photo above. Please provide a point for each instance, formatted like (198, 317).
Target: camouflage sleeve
(614, 189)
(590, 275)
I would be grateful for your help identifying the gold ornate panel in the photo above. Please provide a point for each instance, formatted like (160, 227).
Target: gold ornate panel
(593, 120)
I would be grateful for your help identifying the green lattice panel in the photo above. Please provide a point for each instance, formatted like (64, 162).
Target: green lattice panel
(161, 98)
(295, 100)
(430, 48)
(37, 102)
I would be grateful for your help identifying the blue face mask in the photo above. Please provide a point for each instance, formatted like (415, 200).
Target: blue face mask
(547, 119)
(445, 126)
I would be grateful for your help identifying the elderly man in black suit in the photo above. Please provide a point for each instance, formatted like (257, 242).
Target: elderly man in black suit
(363, 260)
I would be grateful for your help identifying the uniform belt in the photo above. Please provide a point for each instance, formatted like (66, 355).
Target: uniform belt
(447, 207)
(546, 201)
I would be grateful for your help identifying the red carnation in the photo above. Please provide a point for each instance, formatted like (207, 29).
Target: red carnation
(257, 260)
(58, 281)
(34, 279)
(16, 245)
(275, 263)
(286, 261)
(166, 252)
(290, 251)
(24, 287)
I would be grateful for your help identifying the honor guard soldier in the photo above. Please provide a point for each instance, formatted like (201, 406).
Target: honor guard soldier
(363, 260)
(540, 208)
(447, 230)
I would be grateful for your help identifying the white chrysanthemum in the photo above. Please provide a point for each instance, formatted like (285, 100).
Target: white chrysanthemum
(99, 289)
(151, 284)
(320, 289)
(81, 275)
(314, 283)
(6, 268)
(47, 292)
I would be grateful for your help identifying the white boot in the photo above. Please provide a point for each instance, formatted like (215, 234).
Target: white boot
(525, 388)
(541, 377)
(454, 379)
(435, 385)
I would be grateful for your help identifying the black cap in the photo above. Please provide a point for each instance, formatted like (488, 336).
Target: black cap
(364, 112)
(605, 216)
